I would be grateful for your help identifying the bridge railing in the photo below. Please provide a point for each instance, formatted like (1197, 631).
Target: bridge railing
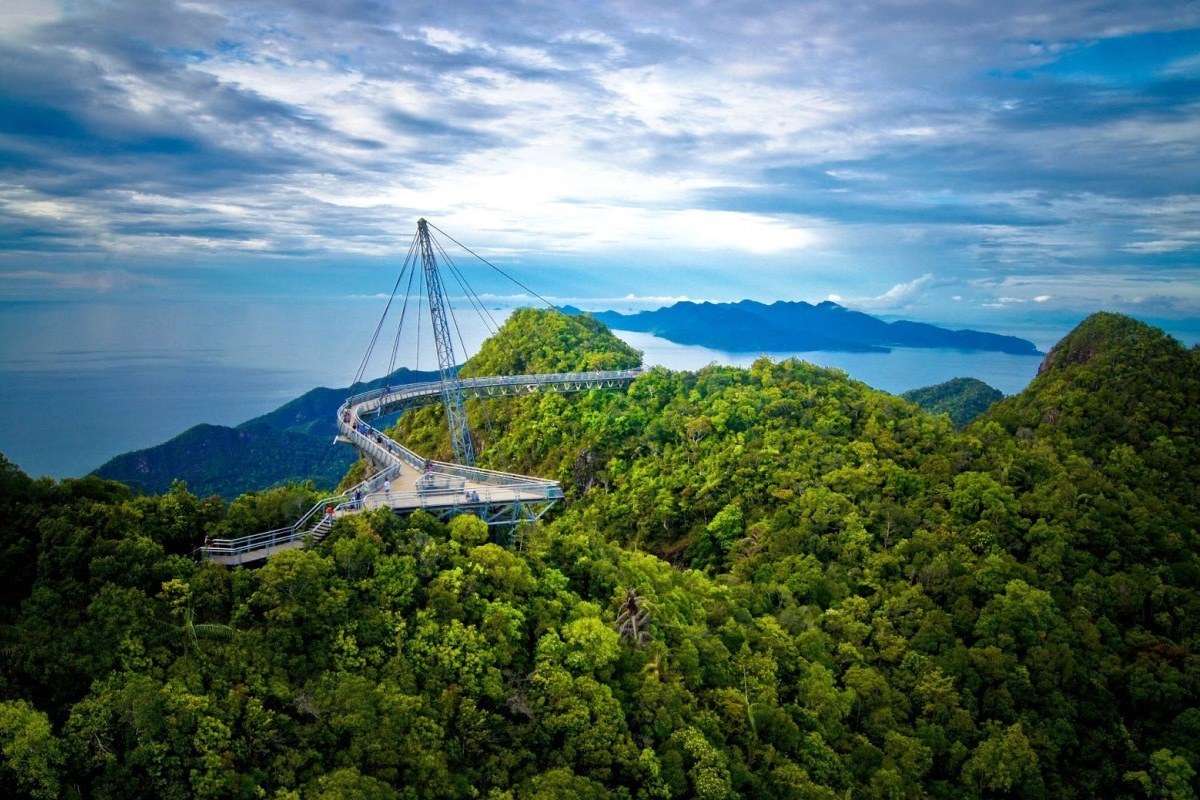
(490, 477)
(390, 450)
(451, 497)
(459, 497)
(280, 536)
(384, 450)
(499, 487)
(300, 527)
(433, 388)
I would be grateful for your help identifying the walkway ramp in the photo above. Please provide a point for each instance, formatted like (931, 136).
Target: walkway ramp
(404, 481)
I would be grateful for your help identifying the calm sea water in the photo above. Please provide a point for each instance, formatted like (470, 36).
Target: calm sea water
(902, 369)
(80, 383)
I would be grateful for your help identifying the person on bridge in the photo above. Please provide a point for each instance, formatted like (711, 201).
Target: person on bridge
(329, 511)
(387, 486)
(358, 498)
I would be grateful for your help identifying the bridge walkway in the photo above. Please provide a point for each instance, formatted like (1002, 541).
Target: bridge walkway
(404, 481)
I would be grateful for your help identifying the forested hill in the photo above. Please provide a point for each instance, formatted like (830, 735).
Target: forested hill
(292, 443)
(769, 582)
(750, 326)
(963, 399)
(1112, 381)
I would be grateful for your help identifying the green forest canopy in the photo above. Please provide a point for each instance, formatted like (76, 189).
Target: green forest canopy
(844, 596)
(963, 399)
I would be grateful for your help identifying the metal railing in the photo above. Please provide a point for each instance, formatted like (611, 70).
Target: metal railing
(493, 486)
(385, 400)
(269, 540)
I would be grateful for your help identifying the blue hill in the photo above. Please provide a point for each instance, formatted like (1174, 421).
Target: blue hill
(292, 443)
(750, 326)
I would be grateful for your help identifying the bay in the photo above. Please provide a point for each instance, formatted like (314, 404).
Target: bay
(897, 371)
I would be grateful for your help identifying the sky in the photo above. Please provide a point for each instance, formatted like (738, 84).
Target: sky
(1001, 162)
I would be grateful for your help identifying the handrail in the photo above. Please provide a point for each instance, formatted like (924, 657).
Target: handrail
(434, 387)
(391, 455)
(294, 527)
(356, 430)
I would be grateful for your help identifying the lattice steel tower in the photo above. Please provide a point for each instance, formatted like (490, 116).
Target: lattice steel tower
(452, 395)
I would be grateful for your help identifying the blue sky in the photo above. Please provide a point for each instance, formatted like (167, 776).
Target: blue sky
(1007, 162)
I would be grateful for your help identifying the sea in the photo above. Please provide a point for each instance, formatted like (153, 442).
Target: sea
(82, 382)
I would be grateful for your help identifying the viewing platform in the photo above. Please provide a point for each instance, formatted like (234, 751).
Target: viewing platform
(404, 481)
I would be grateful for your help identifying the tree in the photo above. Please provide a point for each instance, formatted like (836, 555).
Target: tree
(32, 754)
(1002, 761)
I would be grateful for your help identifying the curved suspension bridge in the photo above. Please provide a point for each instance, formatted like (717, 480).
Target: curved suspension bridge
(402, 480)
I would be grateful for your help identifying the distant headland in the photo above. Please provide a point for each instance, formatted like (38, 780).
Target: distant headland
(748, 326)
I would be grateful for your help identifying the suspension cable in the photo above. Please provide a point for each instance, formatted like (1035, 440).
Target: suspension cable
(493, 266)
(471, 296)
(400, 327)
(410, 265)
(474, 297)
(484, 316)
(362, 367)
(453, 318)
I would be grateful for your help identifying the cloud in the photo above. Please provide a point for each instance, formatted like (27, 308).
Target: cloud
(101, 282)
(590, 303)
(22, 16)
(899, 296)
(1029, 139)
(1173, 293)
(1008, 301)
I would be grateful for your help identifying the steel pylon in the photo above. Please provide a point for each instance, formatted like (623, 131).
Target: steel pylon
(452, 393)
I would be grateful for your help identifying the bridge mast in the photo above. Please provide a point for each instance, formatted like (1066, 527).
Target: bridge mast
(452, 393)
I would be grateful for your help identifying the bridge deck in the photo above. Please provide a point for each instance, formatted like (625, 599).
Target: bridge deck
(404, 481)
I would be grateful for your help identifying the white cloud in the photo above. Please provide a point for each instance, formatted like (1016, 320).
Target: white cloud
(1160, 246)
(899, 296)
(521, 297)
(447, 40)
(1171, 293)
(1006, 300)
(590, 129)
(102, 281)
(20, 16)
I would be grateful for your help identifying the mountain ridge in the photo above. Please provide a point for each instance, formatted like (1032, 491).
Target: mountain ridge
(293, 442)
(748, 325)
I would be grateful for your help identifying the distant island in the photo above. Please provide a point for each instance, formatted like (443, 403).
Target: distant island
(749, 326)
(292, 443)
